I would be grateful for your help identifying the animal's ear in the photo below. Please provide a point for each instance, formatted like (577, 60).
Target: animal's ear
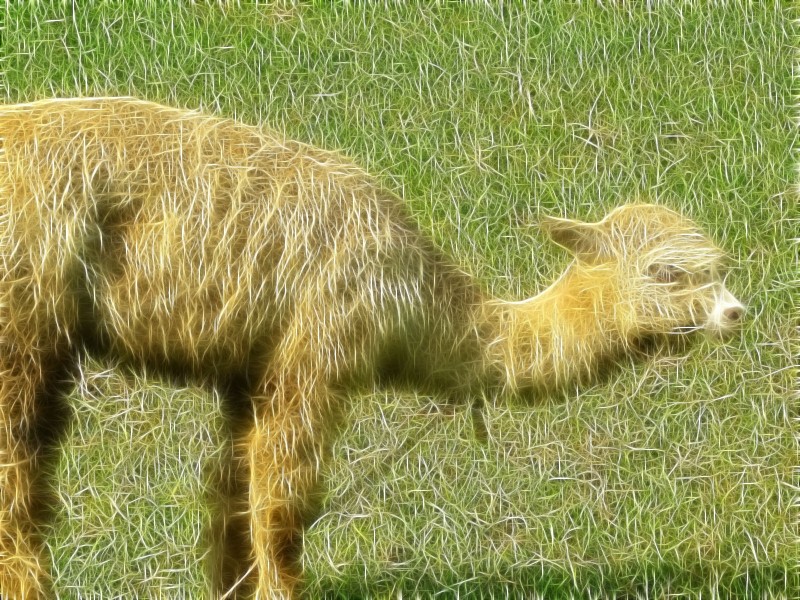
(585, 240)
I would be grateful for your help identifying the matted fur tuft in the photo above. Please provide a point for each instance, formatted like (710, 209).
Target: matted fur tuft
(170, 236)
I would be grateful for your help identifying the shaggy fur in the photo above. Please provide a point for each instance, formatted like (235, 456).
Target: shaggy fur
(174, 237)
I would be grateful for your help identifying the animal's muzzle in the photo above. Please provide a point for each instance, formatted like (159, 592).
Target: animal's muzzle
(726, 314)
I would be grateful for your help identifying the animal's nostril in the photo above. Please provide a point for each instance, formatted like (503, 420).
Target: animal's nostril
(734, 313)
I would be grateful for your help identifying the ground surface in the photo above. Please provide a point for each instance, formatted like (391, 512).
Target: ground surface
(672, 478)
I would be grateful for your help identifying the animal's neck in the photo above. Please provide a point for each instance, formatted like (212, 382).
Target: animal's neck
(557, 336)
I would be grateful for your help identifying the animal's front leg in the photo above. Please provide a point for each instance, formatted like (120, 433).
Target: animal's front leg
(22, 576)
(284, 450)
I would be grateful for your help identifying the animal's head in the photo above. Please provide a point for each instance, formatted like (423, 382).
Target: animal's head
(663, 274)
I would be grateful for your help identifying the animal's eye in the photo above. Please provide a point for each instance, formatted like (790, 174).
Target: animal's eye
(665, 273)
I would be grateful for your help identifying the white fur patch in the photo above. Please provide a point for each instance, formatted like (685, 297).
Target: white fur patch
(727, 312)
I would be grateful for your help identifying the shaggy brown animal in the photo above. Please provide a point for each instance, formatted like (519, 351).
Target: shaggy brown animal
(225, 249)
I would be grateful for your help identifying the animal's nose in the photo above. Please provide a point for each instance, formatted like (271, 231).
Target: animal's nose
(733, 313)
(730, 309)
(727, 314)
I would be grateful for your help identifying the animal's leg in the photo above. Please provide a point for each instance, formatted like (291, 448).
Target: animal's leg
(21, 573)
(285, 448)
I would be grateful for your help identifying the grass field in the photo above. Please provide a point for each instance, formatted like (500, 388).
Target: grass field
(672, 479)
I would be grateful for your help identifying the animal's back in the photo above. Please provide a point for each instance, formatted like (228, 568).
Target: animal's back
(195, 237)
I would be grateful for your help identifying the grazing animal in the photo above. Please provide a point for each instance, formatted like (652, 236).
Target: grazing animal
(168, 236)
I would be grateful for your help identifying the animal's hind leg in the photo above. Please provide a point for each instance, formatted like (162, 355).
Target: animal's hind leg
(21, 572)
(284, 450)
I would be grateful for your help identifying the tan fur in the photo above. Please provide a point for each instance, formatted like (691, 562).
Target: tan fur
(170, 236)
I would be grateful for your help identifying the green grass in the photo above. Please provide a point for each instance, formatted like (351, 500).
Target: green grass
(133, 480)
(674, 478)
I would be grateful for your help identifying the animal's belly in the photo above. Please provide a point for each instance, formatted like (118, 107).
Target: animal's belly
(184, 315)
